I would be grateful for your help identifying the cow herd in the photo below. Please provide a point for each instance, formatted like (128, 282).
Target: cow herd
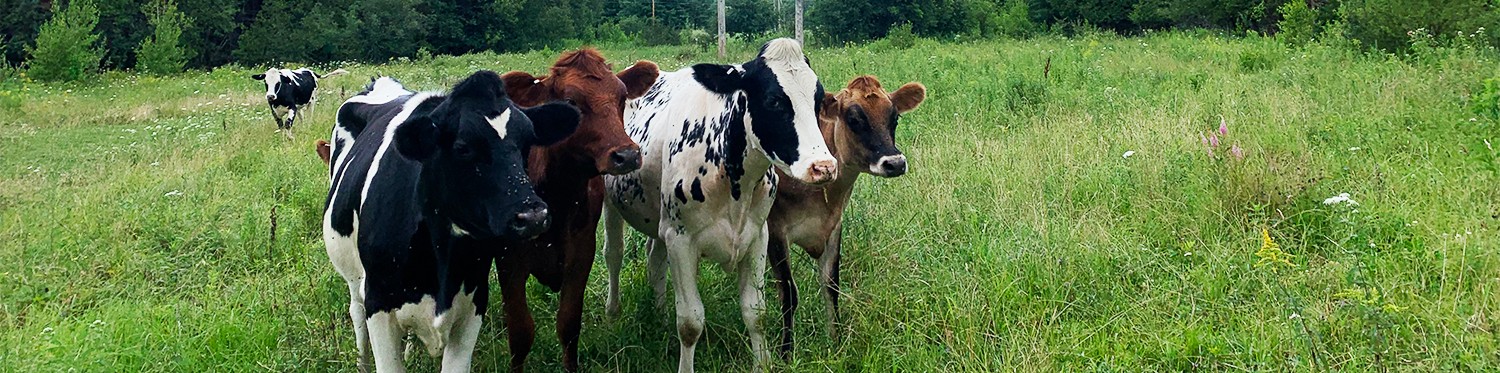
(728, 164)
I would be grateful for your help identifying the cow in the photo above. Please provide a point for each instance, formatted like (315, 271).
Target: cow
(859, 124)
(288, 90)
(567, 177)
(417, 182)
(710, 136)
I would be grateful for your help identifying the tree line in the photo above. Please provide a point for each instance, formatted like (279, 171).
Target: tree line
(166, 36)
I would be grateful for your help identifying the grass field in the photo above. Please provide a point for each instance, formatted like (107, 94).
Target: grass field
(158, 224)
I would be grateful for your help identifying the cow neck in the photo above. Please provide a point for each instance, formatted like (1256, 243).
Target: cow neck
(755, 162)
(556, 168)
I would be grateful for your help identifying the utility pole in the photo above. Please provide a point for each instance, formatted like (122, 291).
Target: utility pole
(799, 23)
(722, 36)
(653, 10)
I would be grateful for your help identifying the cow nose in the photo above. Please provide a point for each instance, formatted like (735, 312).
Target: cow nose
(624, 161)
(821, 172)
(893, 166)
(531, 221)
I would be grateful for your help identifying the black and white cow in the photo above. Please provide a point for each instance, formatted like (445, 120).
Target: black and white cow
(417, 179)
(288, 90)
(709, 137)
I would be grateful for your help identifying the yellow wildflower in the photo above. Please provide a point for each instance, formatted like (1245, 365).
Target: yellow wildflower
(1270, 253)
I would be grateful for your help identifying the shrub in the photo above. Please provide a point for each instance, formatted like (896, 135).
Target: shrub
(66, 47)
(162, 53)
(1015, 20)
(1298, 23)
(901, 37)
(657, 33)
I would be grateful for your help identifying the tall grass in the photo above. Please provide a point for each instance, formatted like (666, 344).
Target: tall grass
(137, 217)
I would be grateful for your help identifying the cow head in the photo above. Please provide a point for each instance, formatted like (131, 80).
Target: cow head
(783, 97)
(861, 120)
(584, 79)
(277, 84)
(471, 145)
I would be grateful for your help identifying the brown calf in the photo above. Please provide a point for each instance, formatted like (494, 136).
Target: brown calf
(566, 176)
(859, 124)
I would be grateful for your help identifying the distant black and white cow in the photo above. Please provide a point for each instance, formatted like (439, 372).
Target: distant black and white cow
(288, 90)
(709, 137)
(417, 179)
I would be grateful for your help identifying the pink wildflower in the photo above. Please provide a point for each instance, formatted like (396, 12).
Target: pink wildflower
(1223, 127)
(1237, 151)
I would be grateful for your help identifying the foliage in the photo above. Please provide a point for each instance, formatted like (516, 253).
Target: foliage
(18, 27)
(66, 48)
(901, 37)
(1299, 24)
(162, 53)
(1385, 24)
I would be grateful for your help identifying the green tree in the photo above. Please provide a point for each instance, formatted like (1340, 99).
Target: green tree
(749, 16)
(214, 32)
(66, 46)
(269, 38)
(162, 53)
(18, 27)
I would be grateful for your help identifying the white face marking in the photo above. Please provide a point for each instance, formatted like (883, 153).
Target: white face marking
(458, 232)
(273, 79)
(500, 122)
(799, 82)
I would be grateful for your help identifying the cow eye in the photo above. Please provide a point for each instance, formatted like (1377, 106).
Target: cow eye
(462, 150)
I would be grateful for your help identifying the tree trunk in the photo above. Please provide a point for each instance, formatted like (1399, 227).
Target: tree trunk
(722, 36)
(799, 23)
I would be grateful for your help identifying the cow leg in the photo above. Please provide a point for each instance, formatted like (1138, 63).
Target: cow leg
(570, 307)
(518, 323)
(286, 128)
(277, 115)
(752, 300)
(828, 274)
(690, 321)
(781, 267)
(614, 244)
(656, 260)
(458, 353)
(385, 338)
(361, 329)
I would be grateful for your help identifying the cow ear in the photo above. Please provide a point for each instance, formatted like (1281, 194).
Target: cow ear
(909, 96)
(258, 77)
(638, 78)
(552, 122)
(721, 79)
(524, 89)
(830, 106)
(417, 138)
(324, 150)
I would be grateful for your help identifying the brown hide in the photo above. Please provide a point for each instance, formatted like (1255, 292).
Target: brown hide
(811, 216)
(567, 176)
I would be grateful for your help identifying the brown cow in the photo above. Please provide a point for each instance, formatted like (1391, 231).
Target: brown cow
(566, 176)
(859, 124)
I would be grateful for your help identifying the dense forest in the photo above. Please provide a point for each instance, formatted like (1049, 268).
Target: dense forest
(210, 33)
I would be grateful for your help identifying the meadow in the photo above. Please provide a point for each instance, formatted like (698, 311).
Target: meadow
(1066, 210)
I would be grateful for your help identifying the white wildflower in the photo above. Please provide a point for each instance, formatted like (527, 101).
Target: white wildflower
(1341, 198)
(174, 193)
(1128, 154)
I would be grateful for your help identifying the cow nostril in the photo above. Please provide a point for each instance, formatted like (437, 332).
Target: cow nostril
(893, 166)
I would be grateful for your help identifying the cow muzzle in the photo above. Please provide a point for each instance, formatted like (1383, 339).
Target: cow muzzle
(623, 161)
(531, 221)
(821, 172)
(889, 166)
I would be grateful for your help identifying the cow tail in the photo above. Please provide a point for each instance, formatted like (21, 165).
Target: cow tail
(333, 74)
